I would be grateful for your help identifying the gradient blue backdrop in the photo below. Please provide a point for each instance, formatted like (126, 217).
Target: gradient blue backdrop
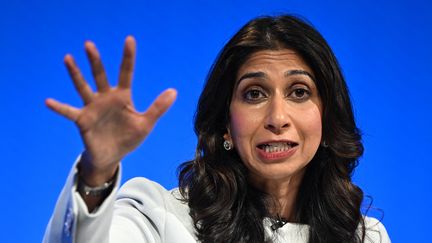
(384, 48)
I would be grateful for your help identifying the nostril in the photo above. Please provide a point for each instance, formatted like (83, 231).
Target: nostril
(270, 127)
(276, 128)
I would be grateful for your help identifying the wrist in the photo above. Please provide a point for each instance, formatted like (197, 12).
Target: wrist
(95, 176)
(100, 190)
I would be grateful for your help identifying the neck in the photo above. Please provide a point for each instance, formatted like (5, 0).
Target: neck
(283, 194)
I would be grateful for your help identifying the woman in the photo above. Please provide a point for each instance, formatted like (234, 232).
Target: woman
(277, 143)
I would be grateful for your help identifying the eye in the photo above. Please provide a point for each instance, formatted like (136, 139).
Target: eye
(300, 94)
(254, 95)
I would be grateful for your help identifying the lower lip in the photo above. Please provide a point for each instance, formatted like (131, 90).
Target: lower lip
(275, 156)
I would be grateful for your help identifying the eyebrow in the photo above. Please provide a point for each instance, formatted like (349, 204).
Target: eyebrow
(286, 74)
(299, 72)
(251, 75)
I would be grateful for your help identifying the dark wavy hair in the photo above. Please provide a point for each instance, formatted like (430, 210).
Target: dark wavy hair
(224, 206)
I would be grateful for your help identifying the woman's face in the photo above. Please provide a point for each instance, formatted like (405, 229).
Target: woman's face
(275, 115)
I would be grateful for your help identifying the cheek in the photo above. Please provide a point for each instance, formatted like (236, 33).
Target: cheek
(243, 126)
(312, 128)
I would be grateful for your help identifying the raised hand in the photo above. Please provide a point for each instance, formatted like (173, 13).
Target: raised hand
(110, 126)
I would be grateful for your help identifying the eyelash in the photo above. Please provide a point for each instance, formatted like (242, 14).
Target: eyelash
(247, 95)
(262, 95)
(305, 96)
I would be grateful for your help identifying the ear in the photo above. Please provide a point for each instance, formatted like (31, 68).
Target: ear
(227, 136)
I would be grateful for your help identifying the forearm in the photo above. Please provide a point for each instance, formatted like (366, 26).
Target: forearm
(72, 217)
(94, 186)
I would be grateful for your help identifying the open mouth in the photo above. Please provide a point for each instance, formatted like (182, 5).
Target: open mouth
(276, 146)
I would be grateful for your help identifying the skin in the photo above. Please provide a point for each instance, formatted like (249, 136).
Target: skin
(109, 124)
(276, 99)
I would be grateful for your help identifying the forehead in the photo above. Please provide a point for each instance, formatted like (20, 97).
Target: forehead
(285, 59)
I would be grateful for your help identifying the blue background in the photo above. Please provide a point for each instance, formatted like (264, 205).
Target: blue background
(384, 48)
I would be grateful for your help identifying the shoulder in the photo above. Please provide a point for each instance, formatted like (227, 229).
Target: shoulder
(375, 231)
(151, 198)
(152, 210)
(150, 193)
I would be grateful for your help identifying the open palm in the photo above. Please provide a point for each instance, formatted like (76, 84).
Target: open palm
(109, 124)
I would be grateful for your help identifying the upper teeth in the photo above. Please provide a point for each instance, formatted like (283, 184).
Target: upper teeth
(276, 147)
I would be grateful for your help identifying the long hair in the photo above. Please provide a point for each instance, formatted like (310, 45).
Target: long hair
(223, 205)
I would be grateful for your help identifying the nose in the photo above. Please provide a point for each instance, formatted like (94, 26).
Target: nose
(278, 118)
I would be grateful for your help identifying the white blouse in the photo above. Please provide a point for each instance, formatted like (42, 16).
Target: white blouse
(143, 211)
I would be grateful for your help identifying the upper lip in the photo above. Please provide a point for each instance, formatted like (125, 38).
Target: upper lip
(292, 143)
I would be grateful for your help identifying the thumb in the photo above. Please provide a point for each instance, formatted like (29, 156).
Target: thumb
(160, 105)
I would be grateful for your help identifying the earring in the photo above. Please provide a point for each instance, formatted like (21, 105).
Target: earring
(227, 145)
(324, 144)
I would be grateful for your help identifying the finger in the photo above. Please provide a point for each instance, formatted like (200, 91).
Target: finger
(83, 89)
(97, 67)
(160, 105)
(65, 110)
(128, 62)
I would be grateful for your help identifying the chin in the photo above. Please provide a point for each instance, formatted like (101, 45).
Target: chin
(277, 172)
